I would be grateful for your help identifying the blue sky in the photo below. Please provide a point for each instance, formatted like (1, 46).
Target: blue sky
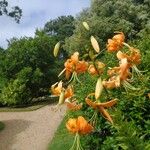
(35, 14)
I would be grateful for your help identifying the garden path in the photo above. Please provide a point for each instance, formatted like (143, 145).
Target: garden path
(30, 130)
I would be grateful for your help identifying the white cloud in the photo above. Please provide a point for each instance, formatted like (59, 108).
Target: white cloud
(35, 14)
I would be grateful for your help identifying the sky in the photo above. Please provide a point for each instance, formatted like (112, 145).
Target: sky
(35, 14)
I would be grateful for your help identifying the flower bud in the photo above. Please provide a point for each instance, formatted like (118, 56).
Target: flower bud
(99, 88)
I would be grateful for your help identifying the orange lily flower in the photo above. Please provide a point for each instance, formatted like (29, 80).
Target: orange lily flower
(117, 74)
(124, 69)
(119, 38)
(134, 58)
(57, 90)
(101, 107)
(73, 64)
(81, 67)
(84, 126)
(72, 125)
(69, 92)
(112, 45)
(75, 57)
(73, 105)
(113, 82)
(92, 70)
(116, 42)
(68, 68)
(98, 70)
(79, 125)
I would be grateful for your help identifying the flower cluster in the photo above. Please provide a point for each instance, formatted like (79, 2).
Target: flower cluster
(117, 76)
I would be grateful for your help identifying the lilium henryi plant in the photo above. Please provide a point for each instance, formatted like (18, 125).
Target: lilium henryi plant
(101, 106)
(78, 126)
(119, 75)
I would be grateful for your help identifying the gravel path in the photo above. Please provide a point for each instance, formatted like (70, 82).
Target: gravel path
(30, 130)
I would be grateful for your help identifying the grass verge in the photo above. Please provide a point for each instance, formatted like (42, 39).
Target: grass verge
(62, 139)
(30, 107)
(2, 126)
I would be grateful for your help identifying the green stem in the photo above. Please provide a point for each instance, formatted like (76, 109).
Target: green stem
(107, 93)
(127, 45)
(74, 143)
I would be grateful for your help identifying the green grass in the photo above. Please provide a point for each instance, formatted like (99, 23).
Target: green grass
(2, 126)
(30, 107)
(62, 139)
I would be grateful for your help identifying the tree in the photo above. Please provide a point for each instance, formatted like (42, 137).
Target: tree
(105, 17)
(60, 27)
(37, 55)
(15, 11)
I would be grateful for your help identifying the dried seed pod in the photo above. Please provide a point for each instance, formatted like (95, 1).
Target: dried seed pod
(95, 44)
(86, 25)
(99, 88)
(56, 49)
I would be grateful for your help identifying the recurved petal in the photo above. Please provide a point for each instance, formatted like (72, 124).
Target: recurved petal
(105, 114)
(73, 106)
(75, 57)
(112, 46)
(121, 55)
(56, 90)
(119, 38)
(88, 129)
(92, 70)
(90, 103)
(68, 74)
(81, 67)
(124, 69)
(71, 125)
(69, 92)
(109, 84)
(108, 104)
(83, 125)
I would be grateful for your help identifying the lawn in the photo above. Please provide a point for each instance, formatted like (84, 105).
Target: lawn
(30, 107)
(2, 126)
(62, 139)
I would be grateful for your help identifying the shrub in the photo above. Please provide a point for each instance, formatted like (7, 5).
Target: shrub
(28, 64)
(15, 93)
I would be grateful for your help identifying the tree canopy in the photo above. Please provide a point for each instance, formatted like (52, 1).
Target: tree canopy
(60, 27)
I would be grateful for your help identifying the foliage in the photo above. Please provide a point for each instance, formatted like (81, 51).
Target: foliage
(33, 53)
(130, 129)
(27, 65)
(15, 93)
(106, 17)
(2, 126)
(15, 12)
(60, 27)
